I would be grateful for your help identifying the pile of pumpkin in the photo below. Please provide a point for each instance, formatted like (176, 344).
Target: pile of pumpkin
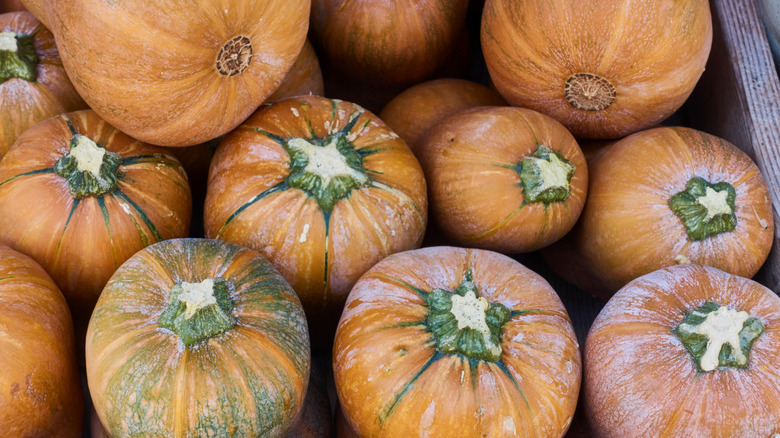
(314, 209)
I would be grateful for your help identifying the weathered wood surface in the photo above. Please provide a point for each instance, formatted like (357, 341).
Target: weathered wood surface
(738, 98)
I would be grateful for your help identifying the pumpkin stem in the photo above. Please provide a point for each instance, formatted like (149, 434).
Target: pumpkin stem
(589, 92)
(545, 176)
(235, 56)
(198, 311)
(716, 336)
(88, 167)
(17, 57)
(328, 169)
(705, 209)
(463, 322)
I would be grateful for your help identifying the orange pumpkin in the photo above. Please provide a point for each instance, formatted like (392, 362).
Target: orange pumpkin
(604, 69)
(305, 77)
(80, 197)
(211, 67)
(686, 351)
(419, 108)
(41, 390)
(314, 417)
(450, 342)
(673, 195)
(386, 42)
(197, 337)
(33, 83)
(302, 181)
(501, 178)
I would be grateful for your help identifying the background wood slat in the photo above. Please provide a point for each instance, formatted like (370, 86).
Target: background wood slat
(738, 99)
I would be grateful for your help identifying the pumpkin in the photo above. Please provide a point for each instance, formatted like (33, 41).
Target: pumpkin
(502, 178)
(419, 108)
(386, 42)
(313, 420)
(98, 196)
(685, 351)
(673, 195)
(305, 179)
(40, 389)
(11, 6)
(603, 69)
(452, 342)
(196, 337)
(214, 64)
(305, 77)
(33, 83)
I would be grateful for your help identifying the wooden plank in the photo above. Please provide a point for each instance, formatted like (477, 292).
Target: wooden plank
(738, 98)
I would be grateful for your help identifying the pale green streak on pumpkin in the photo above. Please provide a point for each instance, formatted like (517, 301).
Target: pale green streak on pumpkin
(75, 205)
(32, 172)
(118, 193)
(389, 409)
(104, 211)
(157, 159)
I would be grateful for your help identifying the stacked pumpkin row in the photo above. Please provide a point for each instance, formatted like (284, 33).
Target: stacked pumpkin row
(205, 337)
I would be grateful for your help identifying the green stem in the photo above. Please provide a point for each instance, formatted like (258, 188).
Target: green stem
(328, 169)
(89, 168)
(705, 209)
(199, 311)
(464, 323)
(17, 57)
(716, 336)
(545, 176)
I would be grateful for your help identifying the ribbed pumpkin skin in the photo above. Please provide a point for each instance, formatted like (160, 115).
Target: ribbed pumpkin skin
(247, 381)
(627, 227)
(321, 253)
(23, 103)
(477, 197)
(40, 389)
(305, 77)
(640, 380)
(422, 106)
(389, 42)
(163, 87)
(392, 380)
(82, 242)
(653, 53)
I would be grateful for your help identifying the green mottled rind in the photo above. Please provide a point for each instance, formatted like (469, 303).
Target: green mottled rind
(205, 323)
(464, 341)
(693, 215)
(533, 182)
(22, 64)
(248, 381)
(696, 344)
(82, 183)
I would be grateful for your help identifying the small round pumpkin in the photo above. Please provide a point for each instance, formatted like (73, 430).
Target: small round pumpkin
(33, 83)
(211, 67)
(196, 337)
(685, 351)
(604, 69)
(451, 342)
(419, 108)
(673, 195)
(322, 188)
(502, 178)
(80, 198)
(389, 42)
(40, 389)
